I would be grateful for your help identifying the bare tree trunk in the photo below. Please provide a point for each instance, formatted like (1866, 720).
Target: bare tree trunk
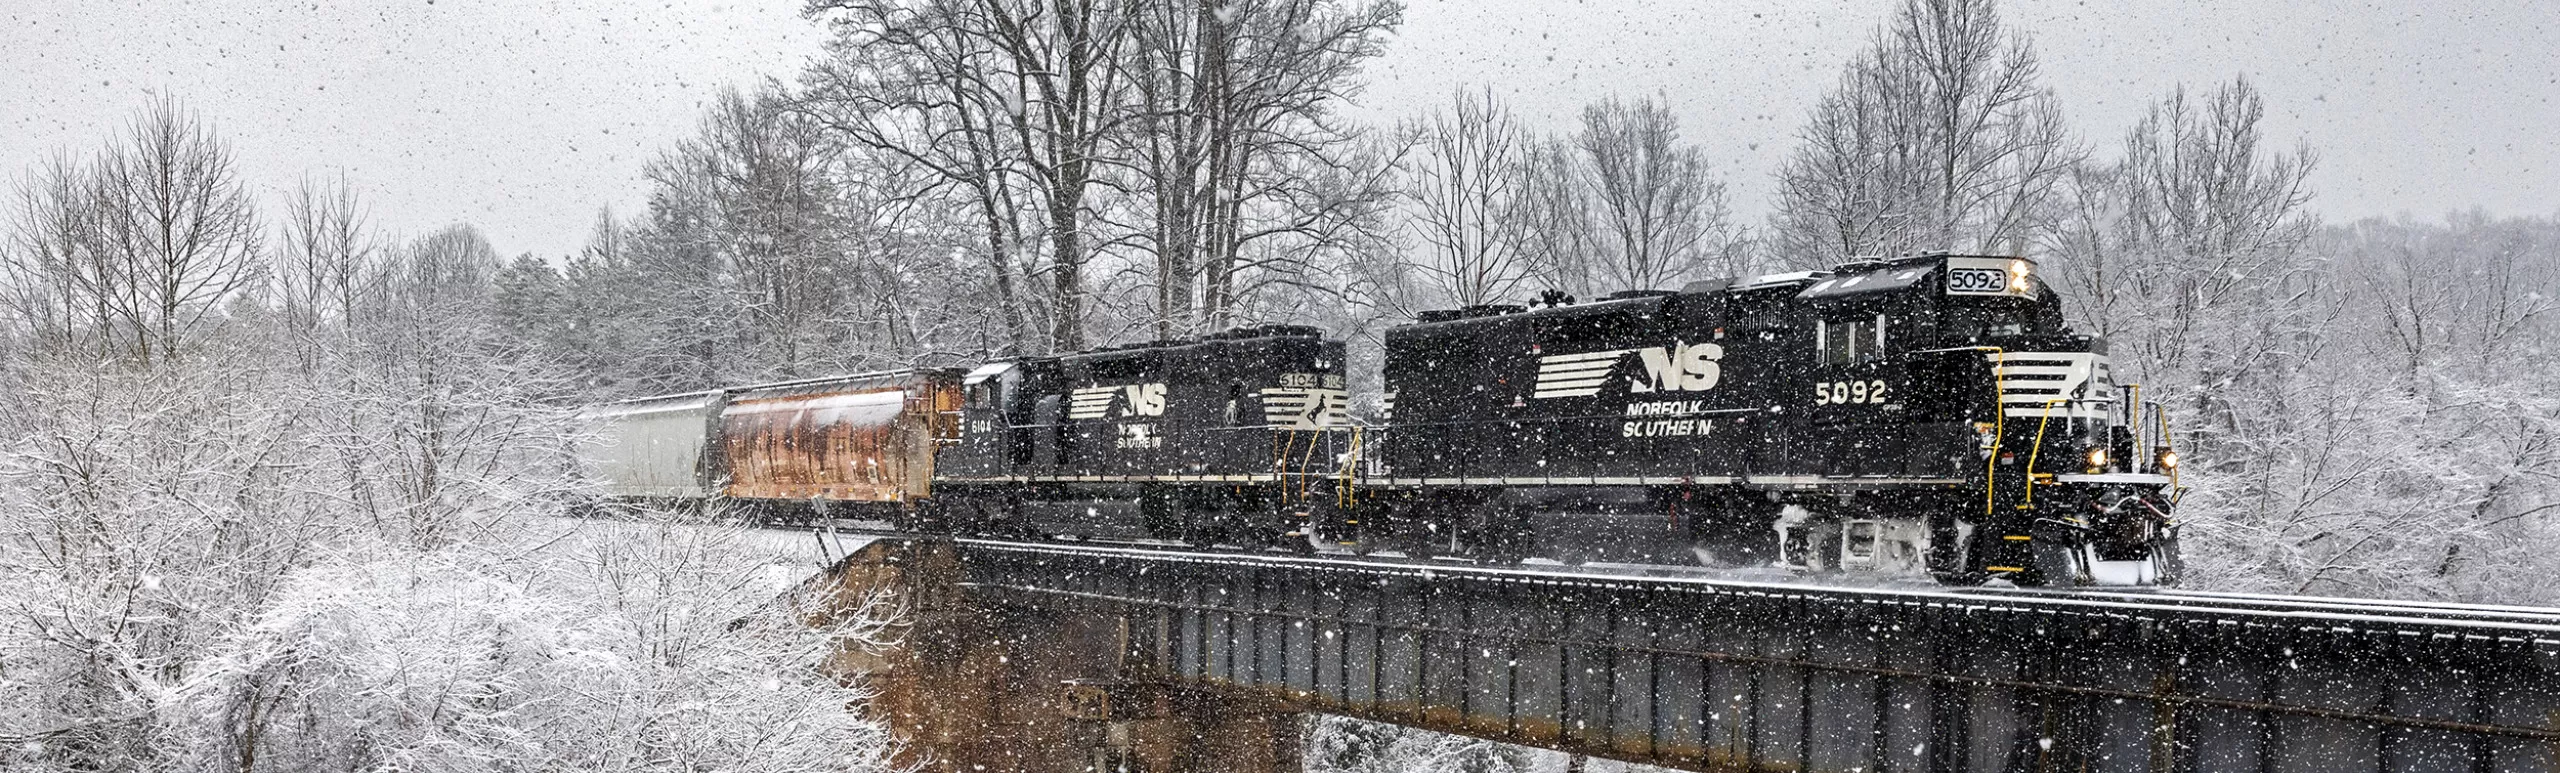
(1938, 137)
(142, 245)
(1466, 186)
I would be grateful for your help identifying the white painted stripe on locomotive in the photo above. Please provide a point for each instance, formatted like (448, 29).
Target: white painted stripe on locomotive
(1091, 402)
(1611, 355)
(1819, 480)
(1570, 380)
(1264, 478)
(1575, 375)
(1650, 480)
(2030, 381)
(1656, 480)
(2116, 477)
(1305, 408)
(1554, 376)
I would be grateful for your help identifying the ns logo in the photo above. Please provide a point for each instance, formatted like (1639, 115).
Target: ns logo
(1675, 368)
(1683, 368)
(1096, 402)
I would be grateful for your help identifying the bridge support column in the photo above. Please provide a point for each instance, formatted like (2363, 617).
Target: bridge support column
(973, 687)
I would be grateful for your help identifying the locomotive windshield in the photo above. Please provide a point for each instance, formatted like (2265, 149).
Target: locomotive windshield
(1970, 321)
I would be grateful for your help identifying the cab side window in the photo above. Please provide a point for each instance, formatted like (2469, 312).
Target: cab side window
(1843, 342)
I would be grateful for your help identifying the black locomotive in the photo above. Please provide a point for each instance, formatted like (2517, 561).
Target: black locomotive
(1928, 414)
(1921, 416)
(1223, 440)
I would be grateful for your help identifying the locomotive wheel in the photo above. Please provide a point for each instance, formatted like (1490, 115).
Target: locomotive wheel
(1505, 536)
(1259, 530)
(1962, 579)
(1504, 544)
(1421, 541)
(1308, 535)
(2054, 559)
(2166, 560)
(1364, 541)
(1953, 561)
(1203, 527)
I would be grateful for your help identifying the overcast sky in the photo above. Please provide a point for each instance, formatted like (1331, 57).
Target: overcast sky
(526, 116)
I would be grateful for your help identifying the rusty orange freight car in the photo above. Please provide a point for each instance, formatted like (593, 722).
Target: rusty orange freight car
(849, 439)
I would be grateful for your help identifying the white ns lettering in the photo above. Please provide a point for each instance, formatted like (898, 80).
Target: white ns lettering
(1681, 367)
(1146, 399)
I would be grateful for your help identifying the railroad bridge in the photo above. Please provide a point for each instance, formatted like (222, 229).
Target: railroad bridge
(1042, 657)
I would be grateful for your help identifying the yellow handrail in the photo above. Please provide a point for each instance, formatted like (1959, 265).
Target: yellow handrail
(2035, 450)
(1350, 470)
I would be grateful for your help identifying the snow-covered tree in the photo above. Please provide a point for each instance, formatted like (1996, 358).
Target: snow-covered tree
(1624, 204)
(604, 650)
(134, 252)
(1939, 136)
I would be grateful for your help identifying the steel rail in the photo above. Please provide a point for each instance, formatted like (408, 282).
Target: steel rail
(2423, 610)
(2127, 606)
(2542, 624)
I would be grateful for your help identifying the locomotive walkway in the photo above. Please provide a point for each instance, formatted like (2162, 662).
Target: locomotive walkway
(1039, 657)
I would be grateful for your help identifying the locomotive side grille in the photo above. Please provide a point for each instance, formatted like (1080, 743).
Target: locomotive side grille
(1305, 407)
(2030, 380)
(1576, 375)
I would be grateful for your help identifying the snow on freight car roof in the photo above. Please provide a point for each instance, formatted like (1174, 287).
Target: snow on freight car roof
(854, 409)
(651, 403)
(874, 379)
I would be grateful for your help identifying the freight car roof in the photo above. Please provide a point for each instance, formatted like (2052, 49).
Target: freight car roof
(884, 378)
(874, 379)
(638, 402)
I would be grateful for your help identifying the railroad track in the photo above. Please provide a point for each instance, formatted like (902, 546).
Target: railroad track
(2523, 625)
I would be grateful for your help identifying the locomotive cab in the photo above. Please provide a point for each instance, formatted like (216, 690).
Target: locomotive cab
(2016, 404)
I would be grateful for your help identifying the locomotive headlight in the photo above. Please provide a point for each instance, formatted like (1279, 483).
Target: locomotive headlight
(2168, 460)
(2097, 457)
(2018, 276)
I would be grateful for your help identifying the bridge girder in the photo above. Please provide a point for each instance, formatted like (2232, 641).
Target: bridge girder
(1701, 675)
